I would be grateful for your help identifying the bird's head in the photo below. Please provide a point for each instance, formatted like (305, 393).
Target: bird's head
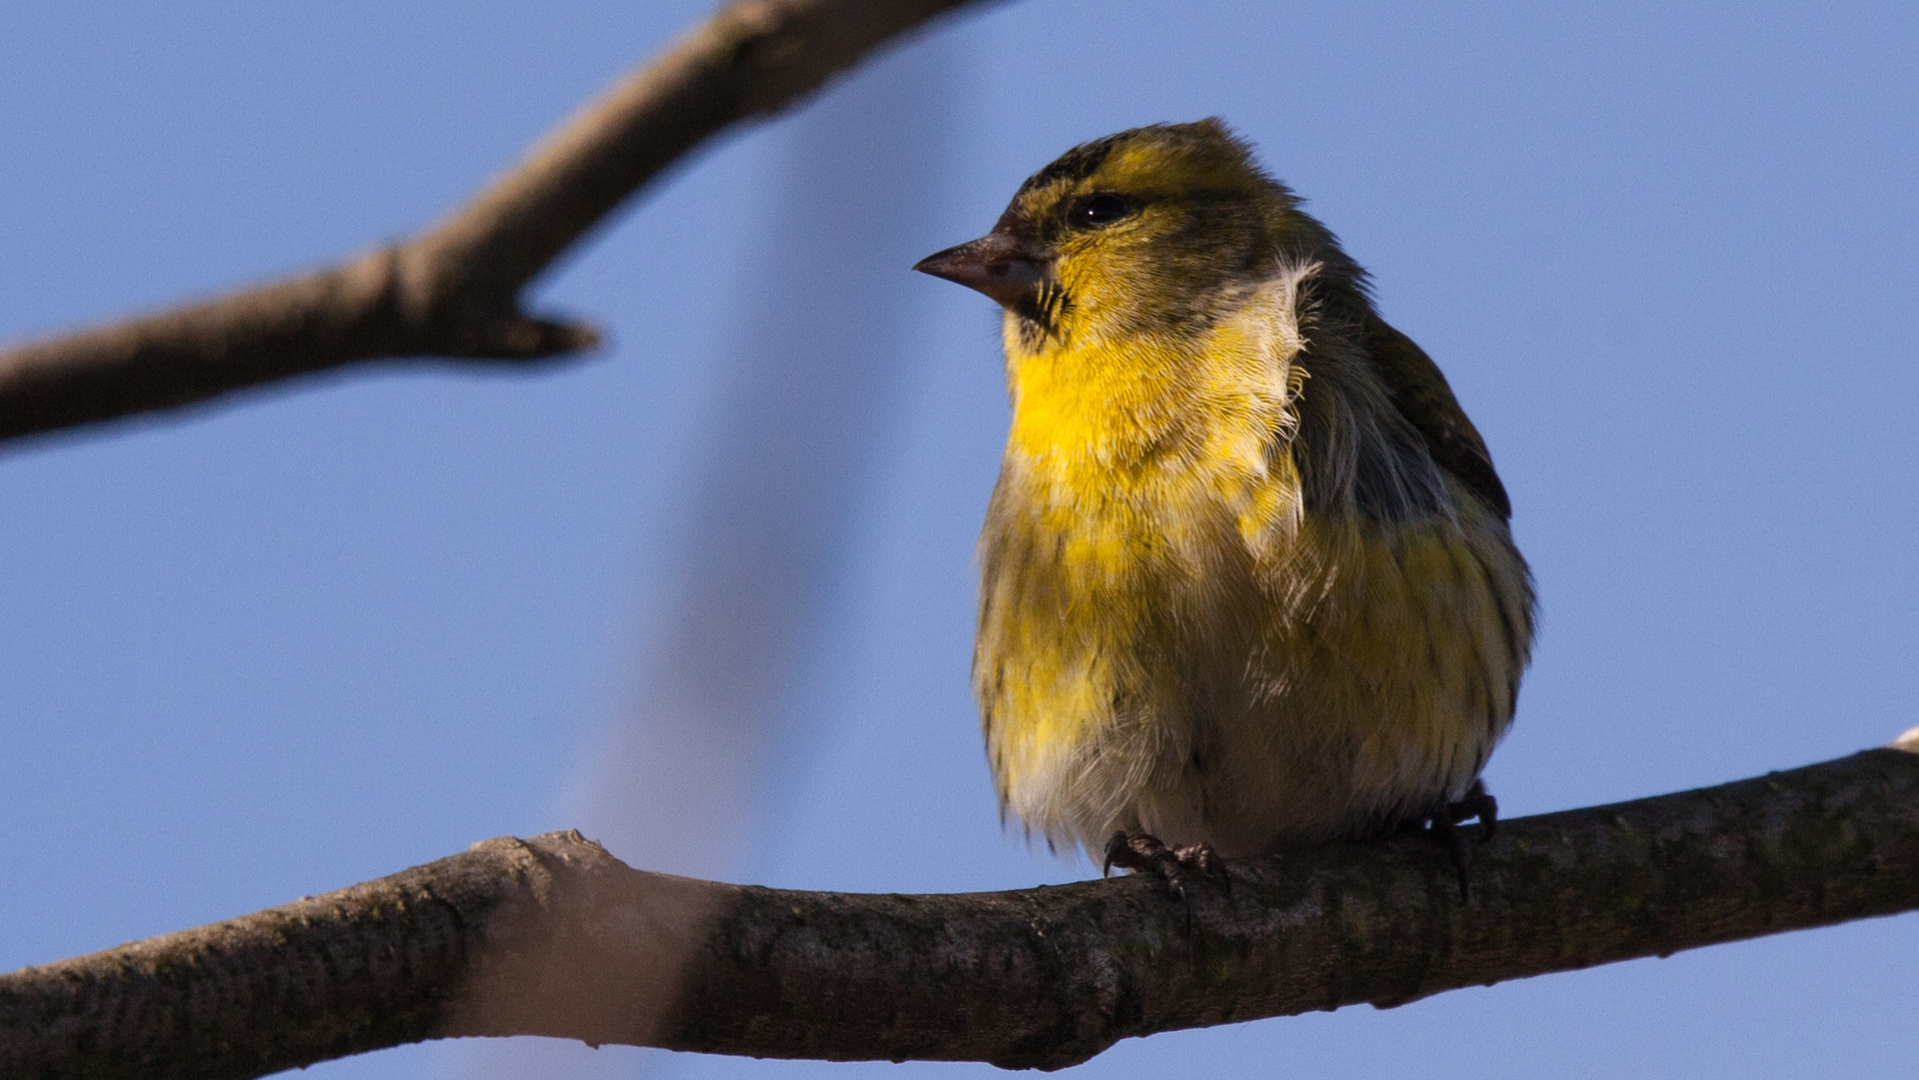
(1136, 233)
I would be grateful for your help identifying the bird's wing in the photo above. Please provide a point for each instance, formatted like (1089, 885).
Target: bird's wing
(1420, 393)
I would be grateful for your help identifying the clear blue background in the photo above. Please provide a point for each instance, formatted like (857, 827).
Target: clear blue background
(1669, 257)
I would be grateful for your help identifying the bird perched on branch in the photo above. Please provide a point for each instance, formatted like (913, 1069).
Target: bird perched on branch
(1247, 580)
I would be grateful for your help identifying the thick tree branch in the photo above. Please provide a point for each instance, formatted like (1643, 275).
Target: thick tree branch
(552, 936)
(454, 291)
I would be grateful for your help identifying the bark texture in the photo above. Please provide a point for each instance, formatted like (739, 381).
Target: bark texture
(454, 291)
(558, 938)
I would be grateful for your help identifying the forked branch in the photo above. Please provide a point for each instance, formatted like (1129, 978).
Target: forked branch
(454, 292)
(552, 936)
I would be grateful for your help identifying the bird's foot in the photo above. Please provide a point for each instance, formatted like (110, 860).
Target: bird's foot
(1177, 867)
(1445, 823)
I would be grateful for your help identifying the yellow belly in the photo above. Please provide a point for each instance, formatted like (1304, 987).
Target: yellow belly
(1322, 683)
(1170, 641)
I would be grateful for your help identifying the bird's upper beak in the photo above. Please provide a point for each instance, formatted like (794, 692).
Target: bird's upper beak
(999, 264)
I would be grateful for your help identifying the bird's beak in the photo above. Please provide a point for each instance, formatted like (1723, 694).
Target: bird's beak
(998, 264)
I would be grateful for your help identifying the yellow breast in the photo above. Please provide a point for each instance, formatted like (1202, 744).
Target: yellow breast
(1169, 642)
(1142, 479)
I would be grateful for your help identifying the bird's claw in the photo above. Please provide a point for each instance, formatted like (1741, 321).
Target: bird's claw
(1478, 803)
(1177, 867)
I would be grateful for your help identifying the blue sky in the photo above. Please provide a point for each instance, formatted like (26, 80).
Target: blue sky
(1667, 257)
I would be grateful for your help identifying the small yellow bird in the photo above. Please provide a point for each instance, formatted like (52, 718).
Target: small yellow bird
(1247, 580)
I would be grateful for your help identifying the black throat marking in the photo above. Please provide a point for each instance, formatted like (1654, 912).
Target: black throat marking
(1040, 314)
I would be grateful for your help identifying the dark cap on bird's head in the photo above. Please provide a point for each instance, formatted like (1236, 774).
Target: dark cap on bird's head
(1147, 231)
(1164, 215)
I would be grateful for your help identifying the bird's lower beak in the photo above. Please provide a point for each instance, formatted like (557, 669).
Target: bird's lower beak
(997, 264)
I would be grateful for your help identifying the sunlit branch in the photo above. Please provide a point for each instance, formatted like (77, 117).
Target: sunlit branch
(553, 936)
(454, 292)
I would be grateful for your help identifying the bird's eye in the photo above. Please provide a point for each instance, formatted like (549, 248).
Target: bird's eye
(1102, 209)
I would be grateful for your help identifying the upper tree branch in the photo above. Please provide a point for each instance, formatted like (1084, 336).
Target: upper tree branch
(552, 936)
(454, 291)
